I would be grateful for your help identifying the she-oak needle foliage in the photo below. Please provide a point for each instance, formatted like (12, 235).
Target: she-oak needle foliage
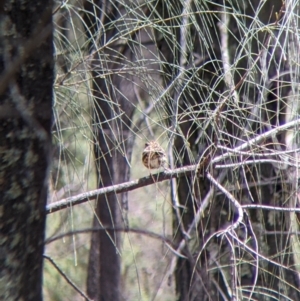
(216, 84)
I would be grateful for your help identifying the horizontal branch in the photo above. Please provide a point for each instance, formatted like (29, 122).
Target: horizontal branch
(258, 139)
(267, 207)
(162, 176)
(119, 188)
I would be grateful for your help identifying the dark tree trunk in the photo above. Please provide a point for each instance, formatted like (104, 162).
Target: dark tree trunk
(204, 93)
(26, 67)
(104, 260)
(115, 102)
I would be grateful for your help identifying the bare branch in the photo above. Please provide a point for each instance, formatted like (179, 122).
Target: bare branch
(162, 176)
(67, 278)
(124, 187)
(265, 207)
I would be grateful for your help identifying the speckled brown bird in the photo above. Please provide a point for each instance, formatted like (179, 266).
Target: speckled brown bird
(154, 156)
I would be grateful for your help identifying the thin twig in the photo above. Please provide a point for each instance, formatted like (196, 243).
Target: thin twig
(67, 278)
(265, 207)
(256, 161)
(110, 228)
(193, 226)
(258, 139)
(228, 76)
(232, 199)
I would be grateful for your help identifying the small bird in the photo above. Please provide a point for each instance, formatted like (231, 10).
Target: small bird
(154, 156)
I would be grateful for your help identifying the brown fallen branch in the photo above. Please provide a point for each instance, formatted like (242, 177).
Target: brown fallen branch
(119, 188)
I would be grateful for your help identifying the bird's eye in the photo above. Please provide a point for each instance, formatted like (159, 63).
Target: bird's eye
(146, 144)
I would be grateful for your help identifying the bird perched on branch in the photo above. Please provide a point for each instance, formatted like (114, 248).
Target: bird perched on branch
(154, 156)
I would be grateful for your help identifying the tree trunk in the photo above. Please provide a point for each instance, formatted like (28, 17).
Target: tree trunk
(202, 124)
(115, 103)
(26, 66)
